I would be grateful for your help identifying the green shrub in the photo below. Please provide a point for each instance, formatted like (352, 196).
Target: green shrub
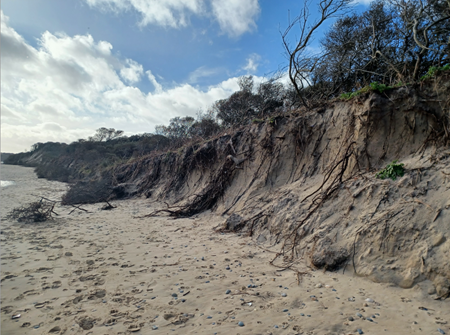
(376, 86)
(434, 70)
(392, 171)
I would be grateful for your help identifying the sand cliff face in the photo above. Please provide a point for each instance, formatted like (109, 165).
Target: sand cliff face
(306, 181)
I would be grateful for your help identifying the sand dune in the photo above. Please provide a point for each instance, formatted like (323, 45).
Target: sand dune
(112, 272)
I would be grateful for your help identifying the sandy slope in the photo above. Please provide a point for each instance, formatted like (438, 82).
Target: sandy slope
(110, 272)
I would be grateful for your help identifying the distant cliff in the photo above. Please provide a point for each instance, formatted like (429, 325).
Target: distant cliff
(5, 156)
(85, 158)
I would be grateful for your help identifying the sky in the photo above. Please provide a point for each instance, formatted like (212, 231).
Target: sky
(69, 67)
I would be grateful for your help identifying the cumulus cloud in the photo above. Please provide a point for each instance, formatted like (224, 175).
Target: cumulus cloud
(69, 86)
(235, 17)
(133, 72)
(252, 63)
(167, 13)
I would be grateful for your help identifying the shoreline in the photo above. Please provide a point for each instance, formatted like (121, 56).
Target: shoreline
(111, 272)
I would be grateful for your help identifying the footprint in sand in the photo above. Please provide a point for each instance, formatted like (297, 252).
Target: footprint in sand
(56, 284)
(86, 322)
(98, 294)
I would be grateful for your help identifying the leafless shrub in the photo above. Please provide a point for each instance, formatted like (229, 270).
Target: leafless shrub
(39, 211)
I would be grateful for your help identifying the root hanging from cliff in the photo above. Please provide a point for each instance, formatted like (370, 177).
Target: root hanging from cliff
(333, 180)
(209, 196)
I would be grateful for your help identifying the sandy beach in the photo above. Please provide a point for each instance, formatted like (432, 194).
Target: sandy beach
(116, 272)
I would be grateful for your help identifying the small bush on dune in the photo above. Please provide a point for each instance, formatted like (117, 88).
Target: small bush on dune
(392, 171)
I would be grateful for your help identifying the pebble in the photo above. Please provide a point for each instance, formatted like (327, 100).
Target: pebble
(276, 326)
(228, 292)
(241, 324)
(318, 285)
(369, 319)
(285, 310)
(209, 317)
(302, 314)
(359, 331)
(283, 294)
(359, 315)
(174, 295)
(369, 300)
(350, 318)
(440, 331)
(155, 327)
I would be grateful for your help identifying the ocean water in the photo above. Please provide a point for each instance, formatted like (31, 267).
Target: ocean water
(5, 183)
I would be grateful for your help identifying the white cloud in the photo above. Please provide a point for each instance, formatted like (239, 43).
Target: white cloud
(202, 72)
(235, 17)
(132, 74)
(167, 13)
(71, 85)
(152, 79)
(252, 63)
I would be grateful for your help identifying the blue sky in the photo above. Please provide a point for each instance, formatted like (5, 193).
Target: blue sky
(72, 66)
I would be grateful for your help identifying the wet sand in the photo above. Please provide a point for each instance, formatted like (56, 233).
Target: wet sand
(111, 272)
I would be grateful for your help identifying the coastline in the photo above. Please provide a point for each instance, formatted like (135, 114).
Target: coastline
(114, 272)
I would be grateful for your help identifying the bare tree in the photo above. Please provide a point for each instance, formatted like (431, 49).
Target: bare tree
(427, 22)
(301, 61)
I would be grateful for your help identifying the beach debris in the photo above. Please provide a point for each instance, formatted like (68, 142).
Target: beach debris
(38, 211)
(15, 316)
